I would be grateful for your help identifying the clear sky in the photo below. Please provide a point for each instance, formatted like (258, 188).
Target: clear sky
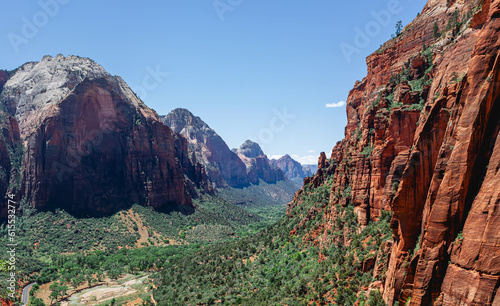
(252, 69)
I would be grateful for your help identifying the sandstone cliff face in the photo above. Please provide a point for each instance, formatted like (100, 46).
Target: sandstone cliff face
(292, 168)
(257, 164)
(422, 141)
(224, 167)
(91, 146)
(461, 199)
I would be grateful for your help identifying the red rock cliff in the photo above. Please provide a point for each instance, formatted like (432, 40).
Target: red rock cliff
(91, 146)
(421, 140)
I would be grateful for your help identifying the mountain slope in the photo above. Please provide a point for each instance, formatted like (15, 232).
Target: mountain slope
(91, 146)
(422, 141)
(234, 168)
(223, 166)
(257, 164)
(244, 176)
(292, 168)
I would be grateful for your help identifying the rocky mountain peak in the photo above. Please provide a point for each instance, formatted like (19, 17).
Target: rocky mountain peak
(292, 168)
(49, 80)
(35, 88)
(238, 167)
(250, 149)
(91, 145)
(180, 118)
(223, 166)
(182, 121)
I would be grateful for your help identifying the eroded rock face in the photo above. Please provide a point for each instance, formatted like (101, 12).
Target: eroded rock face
(234, 168)
(422, 141)
(91, 146)
(224, 167)
(257, 164)
(461, 197)
(250, 149)
(292, 168)
(36, 87)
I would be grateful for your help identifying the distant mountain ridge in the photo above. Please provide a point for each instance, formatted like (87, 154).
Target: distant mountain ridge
(223, 166)
(234, 168)
(257, 163)
(292, 168)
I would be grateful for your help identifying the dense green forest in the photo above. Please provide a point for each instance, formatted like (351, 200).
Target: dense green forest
(276, 267)
(56, 246)
(222, 253)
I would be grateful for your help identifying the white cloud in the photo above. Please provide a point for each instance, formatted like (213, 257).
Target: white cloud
(338, 104)
(311, 151)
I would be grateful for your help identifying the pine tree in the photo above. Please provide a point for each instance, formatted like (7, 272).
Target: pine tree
(435, 31)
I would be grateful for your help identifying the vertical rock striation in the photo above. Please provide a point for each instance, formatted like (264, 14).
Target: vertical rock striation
(91, 146)
(422, 141)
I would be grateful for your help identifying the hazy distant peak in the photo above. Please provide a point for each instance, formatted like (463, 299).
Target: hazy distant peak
(250, 149)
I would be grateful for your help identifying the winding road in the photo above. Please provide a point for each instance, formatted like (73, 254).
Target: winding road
(25, 296)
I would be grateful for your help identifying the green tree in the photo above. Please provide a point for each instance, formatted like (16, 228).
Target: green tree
(435, 31)
(399, 27)
(54, 288)
(89, 279)
(114, 273)
(77, 281)
(57, 291)
(63, 291)
(37, 302)
(375, 298)
(53, 296)
(100, 276)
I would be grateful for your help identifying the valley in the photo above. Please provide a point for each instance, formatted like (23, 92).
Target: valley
(114, 204)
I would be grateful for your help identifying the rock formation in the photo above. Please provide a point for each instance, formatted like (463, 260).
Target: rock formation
(422, 141)
(292, 168)
(90, 145)
(257, 164)
(224, 167)
(234, 168)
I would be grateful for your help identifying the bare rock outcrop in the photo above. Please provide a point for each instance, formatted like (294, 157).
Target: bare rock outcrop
(257, 164)
(292, 168)
(92, 146)
(422, 141)
(224, 167)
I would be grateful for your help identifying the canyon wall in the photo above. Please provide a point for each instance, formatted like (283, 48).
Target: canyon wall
(91, 146)
(421, 141)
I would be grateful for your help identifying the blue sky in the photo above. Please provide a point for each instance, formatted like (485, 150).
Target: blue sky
(263, 70)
